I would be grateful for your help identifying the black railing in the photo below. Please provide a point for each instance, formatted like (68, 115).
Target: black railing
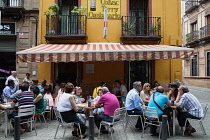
(11, 3)
(141, 26)
(66, 25)
(205, 31)
(190, 3)
(192, 36)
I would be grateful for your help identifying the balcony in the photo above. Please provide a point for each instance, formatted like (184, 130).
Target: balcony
(141, 30)
(66, 29)
(12, 7)
(192, 38)
(191, 5)
(205, 33)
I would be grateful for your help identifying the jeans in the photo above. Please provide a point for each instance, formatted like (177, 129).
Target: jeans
(102, 117)
(137, 112)
(182, 116)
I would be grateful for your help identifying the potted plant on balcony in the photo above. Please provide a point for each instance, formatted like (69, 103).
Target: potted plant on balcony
(82, 10)
(128, 27)
(152, 30)
(52, 14)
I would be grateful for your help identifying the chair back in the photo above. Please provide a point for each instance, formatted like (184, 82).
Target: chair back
(120, 114)
(58, 115)
(26, 110)
(46, 103)
(150, 112)
(205, 111)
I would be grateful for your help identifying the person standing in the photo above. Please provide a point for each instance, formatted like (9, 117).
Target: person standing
(13, 77)
(186, 100)
(27, 79)
(134, 103)
(110, 103)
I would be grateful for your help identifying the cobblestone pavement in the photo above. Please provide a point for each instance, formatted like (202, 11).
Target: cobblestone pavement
(47, 133)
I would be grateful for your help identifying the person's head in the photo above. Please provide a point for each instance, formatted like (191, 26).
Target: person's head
(69, 88)
(160, 89)
(137, 85)
(100, 92)
(183, 89)
(146, 87)
(78, 90)
(27, 75)
(14, 73)
(104, 90)
(47, 89)
(117, 83)
(62, 85)
(24, 86)
(34, 89)
(44, 83)
(11, 83)
(156, 83)
(177, 82)
(102, 84)
(173, 86)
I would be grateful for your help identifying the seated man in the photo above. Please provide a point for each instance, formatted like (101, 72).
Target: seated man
(133, 103)
(110, 104)
(119, 90)
(24, 98)
(159, 100)
(193, 108)
(8, 90)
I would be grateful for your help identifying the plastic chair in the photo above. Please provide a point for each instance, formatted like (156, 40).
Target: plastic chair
(151, 117)
(118, 119)
(27, 110)
(47, 107)
(63, 123)
(133, 119)
(200, 121)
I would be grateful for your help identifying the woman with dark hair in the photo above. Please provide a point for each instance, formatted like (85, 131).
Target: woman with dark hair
(173, 91)
(38, 100)
(68, 109)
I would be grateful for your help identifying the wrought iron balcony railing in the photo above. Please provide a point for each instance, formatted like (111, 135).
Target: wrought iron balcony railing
(190, 4)
(11, 3)
(192, 36)
(141, 26)
(66, 25)
(205, 31)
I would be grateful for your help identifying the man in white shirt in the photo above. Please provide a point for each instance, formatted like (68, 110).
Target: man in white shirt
(120, 90)
(13, 77)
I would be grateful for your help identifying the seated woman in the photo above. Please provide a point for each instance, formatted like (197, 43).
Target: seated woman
(146, 93)
(173, 91)
(48, 95)
(68, 109)
(38, 100)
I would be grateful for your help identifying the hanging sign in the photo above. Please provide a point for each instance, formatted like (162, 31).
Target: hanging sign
(96, 9)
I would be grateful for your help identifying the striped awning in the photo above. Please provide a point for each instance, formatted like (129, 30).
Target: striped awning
(101, 52)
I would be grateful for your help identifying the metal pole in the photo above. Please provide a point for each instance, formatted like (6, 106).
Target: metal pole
(164, 132)
(17, 128)
(91, 125)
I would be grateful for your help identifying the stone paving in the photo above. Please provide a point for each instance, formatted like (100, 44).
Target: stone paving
(47, 133)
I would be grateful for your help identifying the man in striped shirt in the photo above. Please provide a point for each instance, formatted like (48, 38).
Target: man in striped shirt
(193, 108)
(24, 98)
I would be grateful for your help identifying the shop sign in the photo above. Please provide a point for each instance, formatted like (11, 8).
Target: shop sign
(8, 28)
(96, 9)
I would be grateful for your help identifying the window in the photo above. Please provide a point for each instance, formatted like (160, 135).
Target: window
(195, 66)
(208, 64)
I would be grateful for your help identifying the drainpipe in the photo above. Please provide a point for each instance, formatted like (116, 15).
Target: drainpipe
(36, 32)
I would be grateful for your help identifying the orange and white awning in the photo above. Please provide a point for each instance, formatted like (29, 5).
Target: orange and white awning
(101, 52)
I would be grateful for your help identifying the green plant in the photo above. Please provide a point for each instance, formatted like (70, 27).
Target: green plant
(153, 29)
(187, 39)
(52, 13)
(128, 27)
(195, 38)
(80, 10)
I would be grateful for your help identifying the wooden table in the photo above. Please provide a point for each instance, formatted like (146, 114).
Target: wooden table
(174, 117)
(6, 110)
(91, 119)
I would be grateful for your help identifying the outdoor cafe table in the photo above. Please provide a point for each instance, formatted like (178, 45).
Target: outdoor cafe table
(6, 109)
(174, 117)
(91, 119)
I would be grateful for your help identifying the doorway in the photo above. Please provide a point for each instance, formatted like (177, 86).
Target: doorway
(140, 71)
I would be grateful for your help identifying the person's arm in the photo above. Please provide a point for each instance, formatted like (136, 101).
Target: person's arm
(181, 102)
(39, 97)
(13, 105)
(73, 104)
(169, 94)
(178, 98)
(137, 101)
(143, 97)
(100, 102)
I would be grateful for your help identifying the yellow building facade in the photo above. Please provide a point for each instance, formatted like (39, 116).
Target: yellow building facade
(165, 71)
